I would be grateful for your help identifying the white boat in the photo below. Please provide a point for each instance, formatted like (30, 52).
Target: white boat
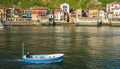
(50, 58)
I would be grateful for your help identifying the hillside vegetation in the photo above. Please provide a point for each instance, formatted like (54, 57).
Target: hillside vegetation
(51, 4)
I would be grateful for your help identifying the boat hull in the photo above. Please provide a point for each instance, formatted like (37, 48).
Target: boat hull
(43, 60)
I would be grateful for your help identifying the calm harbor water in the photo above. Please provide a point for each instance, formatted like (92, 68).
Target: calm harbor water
(84, 47)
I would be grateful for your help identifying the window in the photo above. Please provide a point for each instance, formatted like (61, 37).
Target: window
(65, 9)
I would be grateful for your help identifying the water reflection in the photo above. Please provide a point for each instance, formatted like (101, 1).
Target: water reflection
(103, 63)
(42, 66)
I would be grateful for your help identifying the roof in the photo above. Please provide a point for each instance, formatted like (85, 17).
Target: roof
(39, 8)
(58, 10)
(34, 12)
(114, 3)
(44, 16)
(26, 9)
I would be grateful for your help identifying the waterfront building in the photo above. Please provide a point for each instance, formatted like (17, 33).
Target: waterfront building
(93, 13)
(78, 14)
(116, 16)
(89, 17)
(35, 13)
(66, 9)
(116, 13)
(73, 16)
(10, 12)
(113, 10)
(112, 6)
(27, 13)
(103, 15)
(14, 14)
(39, 14)
(58, 15)
(17, 12)
(44, 19)
(2, 13)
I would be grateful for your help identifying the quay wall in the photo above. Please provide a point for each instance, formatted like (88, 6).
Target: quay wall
(115, 23)
(60, 24)
(47, 24)
(86, 24)
(21, 24)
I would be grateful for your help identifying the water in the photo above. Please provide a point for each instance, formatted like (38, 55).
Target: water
(84, 47)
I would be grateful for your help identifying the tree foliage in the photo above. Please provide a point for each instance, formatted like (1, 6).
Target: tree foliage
(51, 4)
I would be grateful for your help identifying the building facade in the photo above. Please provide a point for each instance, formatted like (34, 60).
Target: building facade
(111, 6)
(78, 14)
(93, 13)
(2, 14)
(39, 14)
(27, 13)
(58, 15)
(66, 9)
(116, 13)
(73, 16)
(113, 10)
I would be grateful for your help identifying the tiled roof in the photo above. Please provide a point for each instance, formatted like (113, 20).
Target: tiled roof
(58, 10)
(39, 8)
(26, 9)
(34, 12)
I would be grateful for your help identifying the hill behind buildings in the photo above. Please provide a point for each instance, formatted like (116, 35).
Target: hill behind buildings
(51, 4)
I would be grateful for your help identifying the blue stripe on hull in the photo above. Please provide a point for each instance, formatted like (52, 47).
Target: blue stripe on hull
(43, 60)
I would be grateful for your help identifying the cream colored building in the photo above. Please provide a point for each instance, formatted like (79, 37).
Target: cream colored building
(78, 14)
(93, 13)
(2, 14)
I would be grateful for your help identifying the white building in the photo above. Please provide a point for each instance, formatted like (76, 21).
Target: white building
(58, 15)
(113, 10)
(65, 7)
(103, 15)
(116, 13)
(111, 6)
(78, 14)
